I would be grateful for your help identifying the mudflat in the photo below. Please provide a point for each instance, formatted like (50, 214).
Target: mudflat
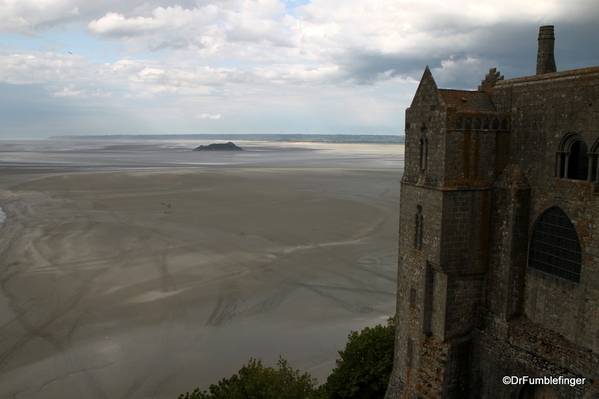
(137, 276)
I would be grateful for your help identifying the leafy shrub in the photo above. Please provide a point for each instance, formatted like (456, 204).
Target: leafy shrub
(362, 372)
(254, 381)
(364, 366)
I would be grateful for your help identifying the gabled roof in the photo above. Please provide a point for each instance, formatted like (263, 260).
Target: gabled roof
(467, 101)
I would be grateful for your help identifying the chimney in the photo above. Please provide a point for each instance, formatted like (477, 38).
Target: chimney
(545, 59)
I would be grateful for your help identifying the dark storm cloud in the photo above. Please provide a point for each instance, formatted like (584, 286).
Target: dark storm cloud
(367, 67)
(511, 48)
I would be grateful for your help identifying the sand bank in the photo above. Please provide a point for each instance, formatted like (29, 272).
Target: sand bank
(135, 284)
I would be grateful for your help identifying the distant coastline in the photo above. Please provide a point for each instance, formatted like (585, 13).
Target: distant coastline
(306, 138)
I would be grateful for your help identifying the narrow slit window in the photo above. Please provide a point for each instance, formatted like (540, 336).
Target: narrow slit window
(423, 149)
(418, 221)
(423, 153)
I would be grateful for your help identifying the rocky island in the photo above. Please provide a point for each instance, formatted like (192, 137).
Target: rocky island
(219, 147)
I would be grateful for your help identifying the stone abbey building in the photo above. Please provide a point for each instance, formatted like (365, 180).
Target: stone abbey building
(499, 238)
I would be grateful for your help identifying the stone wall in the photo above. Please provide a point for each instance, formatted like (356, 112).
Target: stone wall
(532, 350)
(544, 110)
(470, 311)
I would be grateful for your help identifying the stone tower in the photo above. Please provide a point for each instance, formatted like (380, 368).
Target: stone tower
(498, 271)
(451, 163)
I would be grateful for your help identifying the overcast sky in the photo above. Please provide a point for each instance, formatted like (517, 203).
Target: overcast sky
(261, 66)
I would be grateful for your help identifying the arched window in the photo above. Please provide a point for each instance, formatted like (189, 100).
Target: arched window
(418, 222)
(458, 123)
(578, 161)
(477, 124)
(554, 247)
(573, 158)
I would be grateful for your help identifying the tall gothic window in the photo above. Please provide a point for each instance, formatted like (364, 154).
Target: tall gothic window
(573, 158)
(418, 221)
(554, 247)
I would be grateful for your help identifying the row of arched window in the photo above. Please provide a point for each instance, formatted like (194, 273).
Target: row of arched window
(481, 123)
(554, 247)
(575, 161)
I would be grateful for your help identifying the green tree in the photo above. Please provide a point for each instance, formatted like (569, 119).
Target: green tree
(364, 366)
(254, 381)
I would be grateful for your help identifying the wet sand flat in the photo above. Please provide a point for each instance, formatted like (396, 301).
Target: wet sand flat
(139, 283)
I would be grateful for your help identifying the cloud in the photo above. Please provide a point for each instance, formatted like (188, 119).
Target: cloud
(23, 16)
(76, 76)
(30, 67)
(365, 42)
(214, 25)
(239, 57)
(362, 42)
(456, 72)
(208, 116)
(116, 25)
